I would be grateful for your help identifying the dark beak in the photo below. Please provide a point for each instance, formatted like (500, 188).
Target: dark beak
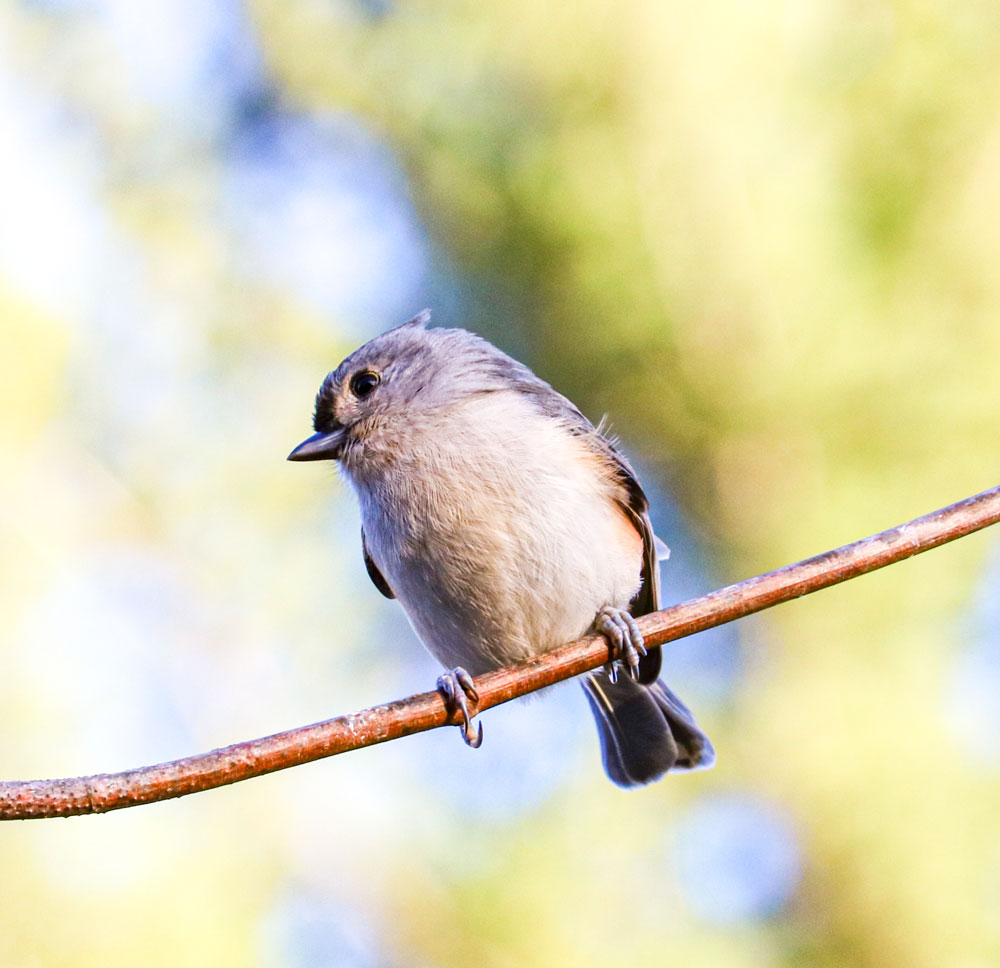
(320, 447)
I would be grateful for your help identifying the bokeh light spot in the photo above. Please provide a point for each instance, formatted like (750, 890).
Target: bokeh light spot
(737, 859)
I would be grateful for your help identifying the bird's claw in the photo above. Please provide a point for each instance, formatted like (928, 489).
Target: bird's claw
(623, 635)
(457, 689)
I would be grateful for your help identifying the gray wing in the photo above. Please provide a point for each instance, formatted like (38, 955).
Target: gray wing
(378, 579)
(631, 498)
(634, 503)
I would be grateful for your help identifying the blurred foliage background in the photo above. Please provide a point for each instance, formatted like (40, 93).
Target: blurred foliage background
(763, 238)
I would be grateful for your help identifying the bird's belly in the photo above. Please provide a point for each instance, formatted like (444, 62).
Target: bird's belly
(493, 581)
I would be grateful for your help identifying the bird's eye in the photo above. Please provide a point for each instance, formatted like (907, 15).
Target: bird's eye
(364, 382)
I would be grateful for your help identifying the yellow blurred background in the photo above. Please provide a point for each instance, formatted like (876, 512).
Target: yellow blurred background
(763, 238)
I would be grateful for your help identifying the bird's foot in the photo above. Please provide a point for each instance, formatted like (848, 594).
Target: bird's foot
(626, 641)
(457, 689)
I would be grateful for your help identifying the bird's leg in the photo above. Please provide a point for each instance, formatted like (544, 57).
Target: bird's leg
(457, 689)
(623, 635)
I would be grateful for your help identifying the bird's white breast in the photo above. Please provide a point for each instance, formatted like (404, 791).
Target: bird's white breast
(497, 529)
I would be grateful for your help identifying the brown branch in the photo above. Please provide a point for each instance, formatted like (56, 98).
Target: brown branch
(29, 799)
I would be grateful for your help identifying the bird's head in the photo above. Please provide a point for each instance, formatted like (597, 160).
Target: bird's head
(395, 384)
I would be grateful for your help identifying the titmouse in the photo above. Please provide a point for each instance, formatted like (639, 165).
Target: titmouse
(506, 525)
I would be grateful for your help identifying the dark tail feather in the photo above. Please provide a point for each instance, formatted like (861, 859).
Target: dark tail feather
(645, 731)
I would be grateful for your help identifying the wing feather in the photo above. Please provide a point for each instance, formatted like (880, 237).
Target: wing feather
(378, 579)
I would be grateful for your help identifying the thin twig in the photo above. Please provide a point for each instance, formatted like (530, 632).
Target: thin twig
(31, 799)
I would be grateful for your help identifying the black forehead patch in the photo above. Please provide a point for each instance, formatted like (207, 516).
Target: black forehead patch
(325, 419)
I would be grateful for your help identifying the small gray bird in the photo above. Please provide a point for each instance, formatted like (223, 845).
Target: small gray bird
(507, 525)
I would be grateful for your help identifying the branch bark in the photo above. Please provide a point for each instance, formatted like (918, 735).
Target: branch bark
(35, 799)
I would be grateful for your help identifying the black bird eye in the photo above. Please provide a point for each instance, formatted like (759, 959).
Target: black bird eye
(364, 382)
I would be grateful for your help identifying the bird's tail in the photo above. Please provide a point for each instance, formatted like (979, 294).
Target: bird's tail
(645, 730)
